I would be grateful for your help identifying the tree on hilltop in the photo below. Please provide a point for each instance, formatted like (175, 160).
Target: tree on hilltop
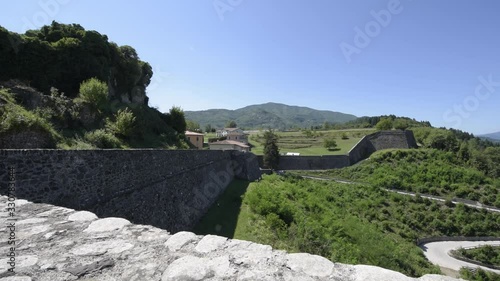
(193, 126)
(401, 124)
(330, 143)
(231, 124)
(176, 119)
(384, 124)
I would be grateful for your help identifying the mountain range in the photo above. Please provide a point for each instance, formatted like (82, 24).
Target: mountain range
(495, 137)
(268, 115)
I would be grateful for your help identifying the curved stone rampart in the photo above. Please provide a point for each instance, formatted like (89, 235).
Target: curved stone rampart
(361, 150)
(55, 244)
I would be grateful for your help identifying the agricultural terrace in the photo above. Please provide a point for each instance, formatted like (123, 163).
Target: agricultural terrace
(308, 142)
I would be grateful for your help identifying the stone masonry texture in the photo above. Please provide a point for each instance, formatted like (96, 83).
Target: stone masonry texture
(170, 189)
(60, 244)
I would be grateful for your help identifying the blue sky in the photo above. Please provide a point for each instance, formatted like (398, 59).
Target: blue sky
(430, 60)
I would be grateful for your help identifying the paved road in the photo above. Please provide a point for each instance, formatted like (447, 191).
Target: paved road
(437, 253)
(475, 205)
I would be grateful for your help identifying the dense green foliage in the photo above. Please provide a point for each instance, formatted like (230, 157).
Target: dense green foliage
(62, 56)
(176, 118)
(384, 124)
(478, 274)
(231, 124)
(75, 124)
(269, 115)
(123, 125)
(370, 122)
(80, 90)
(330, 143)
(102, 139)
(193, 126)
(15, 118)
(401, 124)
(94, 93)
(355, 223)
(487, 254)
(426, 171)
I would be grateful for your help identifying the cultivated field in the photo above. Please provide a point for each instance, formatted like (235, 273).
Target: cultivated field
(308, 142)
(311, 142)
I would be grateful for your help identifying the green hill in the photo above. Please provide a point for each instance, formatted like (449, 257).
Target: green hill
(66, 87)
(493, 137)
(268, 115)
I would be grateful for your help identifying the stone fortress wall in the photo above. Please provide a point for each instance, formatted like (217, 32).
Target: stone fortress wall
(170, 189)
(362, 150)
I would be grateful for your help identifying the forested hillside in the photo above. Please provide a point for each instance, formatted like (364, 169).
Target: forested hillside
(66, 87)
(62, 56)
(269, 115)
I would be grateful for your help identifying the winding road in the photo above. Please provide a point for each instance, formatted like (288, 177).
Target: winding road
(438, 253)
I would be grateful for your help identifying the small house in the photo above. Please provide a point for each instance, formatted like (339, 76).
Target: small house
(196, 139)
(229, 145)
(224, 132)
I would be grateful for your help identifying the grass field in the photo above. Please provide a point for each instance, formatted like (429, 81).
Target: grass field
(307, 142)
(311, 142)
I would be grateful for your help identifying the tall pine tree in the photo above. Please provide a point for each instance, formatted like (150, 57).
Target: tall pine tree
(271, 150)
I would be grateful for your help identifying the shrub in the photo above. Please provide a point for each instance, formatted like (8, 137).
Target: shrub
(329, 144)
(94, 92)
(123, 125)
(401, 124)
(102, 139)
(15, 118)
(384, 124)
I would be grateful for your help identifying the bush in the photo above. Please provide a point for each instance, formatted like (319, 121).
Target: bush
(123, 125)
(401, 124)
(15, 118)
(95, 93)
(330, 144)
(384, 124)
(102, 139)
(478, 274)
